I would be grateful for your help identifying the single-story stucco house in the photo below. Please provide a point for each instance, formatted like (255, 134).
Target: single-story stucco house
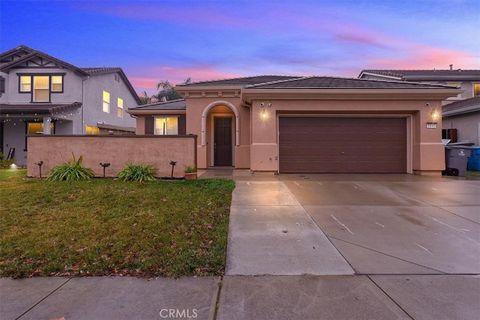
(307, 124)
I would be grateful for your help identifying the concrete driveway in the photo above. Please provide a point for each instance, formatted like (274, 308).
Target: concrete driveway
(346, 224)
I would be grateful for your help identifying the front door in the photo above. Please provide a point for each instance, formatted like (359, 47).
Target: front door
(222, 141)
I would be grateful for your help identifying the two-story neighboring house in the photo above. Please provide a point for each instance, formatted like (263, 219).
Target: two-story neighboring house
(40, 94)
(461, 114)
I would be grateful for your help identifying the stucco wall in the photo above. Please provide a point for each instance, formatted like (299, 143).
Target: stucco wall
(93, 106)
(14, 137)
(72, 91)
(467, 125)
(119, 151)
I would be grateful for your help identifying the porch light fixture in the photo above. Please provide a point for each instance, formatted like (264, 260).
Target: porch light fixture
(433, 117)
(434, 113)
(264, 110)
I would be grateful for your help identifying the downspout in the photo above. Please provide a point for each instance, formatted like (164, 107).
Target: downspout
(83, 103)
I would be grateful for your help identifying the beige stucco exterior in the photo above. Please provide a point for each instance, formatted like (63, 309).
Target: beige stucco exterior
(256, 146)
(119, 151)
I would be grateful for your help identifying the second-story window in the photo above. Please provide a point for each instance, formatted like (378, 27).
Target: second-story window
(476, 89)
(106, 101)
(120, 107)
(41, 89)
(57, 83)
(40, 86)
(25, 84)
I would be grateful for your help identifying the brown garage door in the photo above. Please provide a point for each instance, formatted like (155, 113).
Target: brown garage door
(342, 145)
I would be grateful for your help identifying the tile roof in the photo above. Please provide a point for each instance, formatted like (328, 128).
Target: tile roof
(101, 70)
(441, 74)
(341, 83)
(243, 81)
(178, 104)
(472, 104)
(44, 108)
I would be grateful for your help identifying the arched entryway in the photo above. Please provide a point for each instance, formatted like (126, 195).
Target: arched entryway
(220, 133)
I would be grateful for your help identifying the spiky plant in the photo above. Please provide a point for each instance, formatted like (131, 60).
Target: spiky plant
(72, 170)
(137, 172)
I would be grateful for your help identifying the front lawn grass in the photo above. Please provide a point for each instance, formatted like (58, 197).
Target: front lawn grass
(109, 227)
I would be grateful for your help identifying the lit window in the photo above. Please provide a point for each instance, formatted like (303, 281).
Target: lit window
(41, 89)
(34, 127)
(25, 83)
(166, 125)
(106, 101)
(476, 89)
(37, 127)
(91, 130)
(120, 107)
(57, 83)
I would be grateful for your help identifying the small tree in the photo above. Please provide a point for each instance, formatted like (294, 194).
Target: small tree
(144, 98)
(167, 91)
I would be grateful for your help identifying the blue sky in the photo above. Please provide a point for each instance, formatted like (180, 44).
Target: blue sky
(173, 40)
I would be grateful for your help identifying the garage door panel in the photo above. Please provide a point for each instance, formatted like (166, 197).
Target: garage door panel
(316, 144)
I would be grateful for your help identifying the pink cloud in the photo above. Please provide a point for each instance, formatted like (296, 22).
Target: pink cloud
(177, 75)
(162, 12)
(425, 57)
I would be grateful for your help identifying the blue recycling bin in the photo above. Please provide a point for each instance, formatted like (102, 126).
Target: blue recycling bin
(474, 159)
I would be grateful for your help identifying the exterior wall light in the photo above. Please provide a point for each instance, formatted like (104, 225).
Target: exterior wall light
(434, 117)
(264, 110)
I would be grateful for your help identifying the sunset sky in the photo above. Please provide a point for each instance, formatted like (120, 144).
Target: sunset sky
(173, 40)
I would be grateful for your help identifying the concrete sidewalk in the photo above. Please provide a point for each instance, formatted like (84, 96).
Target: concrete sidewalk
(243, 297)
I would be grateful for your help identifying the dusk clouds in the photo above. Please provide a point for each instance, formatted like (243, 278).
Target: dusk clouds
(171, 40)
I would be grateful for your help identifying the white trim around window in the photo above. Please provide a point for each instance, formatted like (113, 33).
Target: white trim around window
(106, 101)
(120, 107)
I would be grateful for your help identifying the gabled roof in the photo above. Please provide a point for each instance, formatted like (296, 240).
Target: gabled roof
(17, 50)
(29, 53)
(95, 71)
(342, 83)
(425, 75)
(32, 53)
(239, 82)
(178, 104)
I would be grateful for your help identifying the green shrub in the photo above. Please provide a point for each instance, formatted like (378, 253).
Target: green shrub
(190, 169)
(4, 163)
(72, 170)
(137, 172)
